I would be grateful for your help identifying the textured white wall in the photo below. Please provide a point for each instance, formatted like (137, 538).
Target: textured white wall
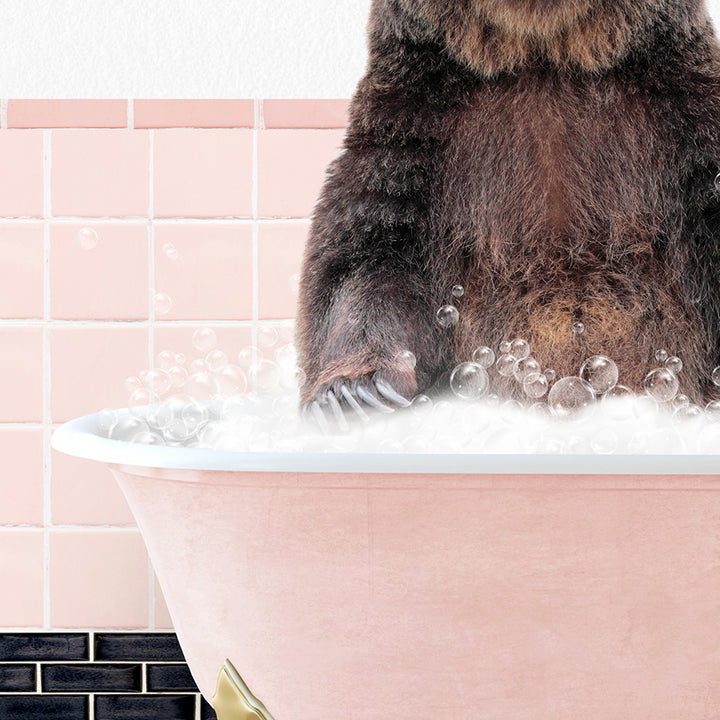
(185, 48)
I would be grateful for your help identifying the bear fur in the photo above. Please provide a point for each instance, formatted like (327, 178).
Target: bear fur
(556, 158)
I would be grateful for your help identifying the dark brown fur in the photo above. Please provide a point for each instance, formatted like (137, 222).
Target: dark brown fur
(556, 158)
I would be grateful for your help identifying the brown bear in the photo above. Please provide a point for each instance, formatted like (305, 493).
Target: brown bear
(557, 159)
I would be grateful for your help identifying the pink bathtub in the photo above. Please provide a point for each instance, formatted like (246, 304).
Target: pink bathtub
(417, 587)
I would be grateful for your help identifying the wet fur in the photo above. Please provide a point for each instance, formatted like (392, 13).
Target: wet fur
(557, 163)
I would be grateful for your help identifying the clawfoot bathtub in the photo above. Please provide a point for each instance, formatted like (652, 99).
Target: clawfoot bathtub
(415, 587)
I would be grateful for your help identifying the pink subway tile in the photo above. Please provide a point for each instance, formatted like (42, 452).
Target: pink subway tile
(209, 275)
(305, 113)
(178, 339)
(194, 113)
(280, 251)
(291, 169)
(89, 366)
(203, 173)
(98, 578)
(21, 370)
(85, 493)
(21, 577)
(21, 183)
(100, 172)
(21, 270)
(21, 480)
(107, 281)
(67, 113)
(163, 621)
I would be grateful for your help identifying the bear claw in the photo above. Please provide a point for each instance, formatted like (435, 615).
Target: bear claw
(328, 409)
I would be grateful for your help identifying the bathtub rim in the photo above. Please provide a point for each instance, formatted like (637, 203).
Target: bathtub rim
(80, 438)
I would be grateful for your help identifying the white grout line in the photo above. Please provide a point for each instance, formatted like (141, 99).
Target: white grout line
(255, 232)
(138, 219)
(38, 679)
(47, 376)
(37, 322)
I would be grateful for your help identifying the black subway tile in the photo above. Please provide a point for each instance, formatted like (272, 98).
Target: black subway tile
(170, 677)
(93, 677)
(206, 710)
(17, 678)
(137, 646)
(43, 646)
(144, 707)
(47, 707)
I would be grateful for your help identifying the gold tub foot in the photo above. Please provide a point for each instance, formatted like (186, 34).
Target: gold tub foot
(233, 700)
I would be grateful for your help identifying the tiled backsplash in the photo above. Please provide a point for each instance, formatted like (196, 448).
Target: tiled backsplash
(231, 184)
(105, 676)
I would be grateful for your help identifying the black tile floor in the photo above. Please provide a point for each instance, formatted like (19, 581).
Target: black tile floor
(62, 676)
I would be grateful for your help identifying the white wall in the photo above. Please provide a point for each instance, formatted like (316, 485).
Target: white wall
(185, 48)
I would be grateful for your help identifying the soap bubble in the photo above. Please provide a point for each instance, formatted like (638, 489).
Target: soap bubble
(447, 316)
(536, 387)
(550, 374)
(578, 328)
(231, 380)
(510, 411)
(180, 358)
(505, 347)
(267, 336)
(133, 383)
(170, 250)
(716, 376)
(674, 364)
(527, 369)
(204, 339)
(179, 431)
(247, 356)
(469, 381)
(679, 401)
(616, 402)
(159, 416)
(712, 410)
(106, 419)
(127, 427)
(201, 386)
(147, 437)
(165, 360)
(162, 303)
(194, 416)
(87, 238)
(604, 441)
(198, 365)
(216, 359)
(178, 375)
(506, 365)
(405, 360)
(158, 381)
(600, 372)
(140, 399)
(661, 355)
(458, 291)
(570, 397)
(421, 404)
(688, 412)
(519, 348)
(264, 375)
(661, 384)
(484, 356)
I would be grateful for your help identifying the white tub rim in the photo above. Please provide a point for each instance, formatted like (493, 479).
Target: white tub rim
(81, 438)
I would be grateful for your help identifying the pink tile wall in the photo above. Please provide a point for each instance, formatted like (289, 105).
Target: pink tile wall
(228, 186)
